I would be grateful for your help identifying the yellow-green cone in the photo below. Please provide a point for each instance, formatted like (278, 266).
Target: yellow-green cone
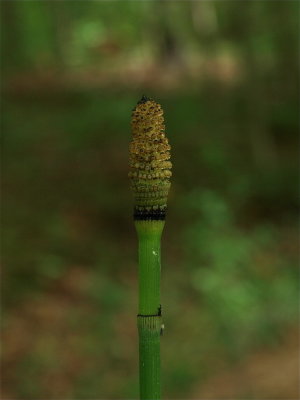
(149, 154)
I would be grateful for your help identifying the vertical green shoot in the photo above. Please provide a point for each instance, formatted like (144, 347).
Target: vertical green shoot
(150, 171)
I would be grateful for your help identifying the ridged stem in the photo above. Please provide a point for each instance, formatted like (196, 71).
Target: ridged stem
(149, 351)
(149, 318)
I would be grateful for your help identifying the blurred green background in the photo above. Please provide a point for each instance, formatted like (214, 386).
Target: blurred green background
(226, 74)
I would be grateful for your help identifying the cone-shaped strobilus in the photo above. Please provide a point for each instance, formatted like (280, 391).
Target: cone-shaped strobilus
(150, 172)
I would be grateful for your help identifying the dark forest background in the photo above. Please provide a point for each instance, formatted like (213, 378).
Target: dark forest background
(226, 74)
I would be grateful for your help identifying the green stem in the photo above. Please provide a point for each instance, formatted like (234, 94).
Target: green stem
(149, 318)
(149, 354)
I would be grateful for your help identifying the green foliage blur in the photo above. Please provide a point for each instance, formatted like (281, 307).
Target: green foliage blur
(226, 74)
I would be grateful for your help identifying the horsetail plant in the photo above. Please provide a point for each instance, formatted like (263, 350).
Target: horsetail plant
(150, 172)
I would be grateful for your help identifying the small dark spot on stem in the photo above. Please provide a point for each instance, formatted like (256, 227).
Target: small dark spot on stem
(162, 328)
(159, 310)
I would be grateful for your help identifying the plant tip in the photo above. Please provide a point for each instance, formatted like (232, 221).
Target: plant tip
(149, 160)
(144, 99)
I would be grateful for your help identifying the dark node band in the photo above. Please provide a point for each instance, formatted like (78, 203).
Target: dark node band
(149, 215)
(151, 315)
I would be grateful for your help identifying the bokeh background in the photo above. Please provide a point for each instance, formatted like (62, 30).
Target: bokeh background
(226, 74)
